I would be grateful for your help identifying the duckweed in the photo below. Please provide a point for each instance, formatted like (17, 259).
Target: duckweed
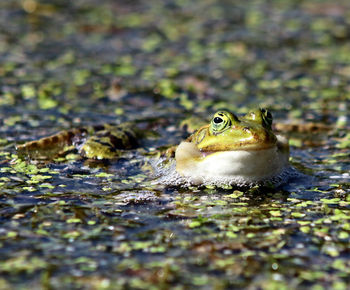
(76, 223)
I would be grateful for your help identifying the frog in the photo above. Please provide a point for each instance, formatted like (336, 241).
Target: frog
(234, 150)
(229, 150)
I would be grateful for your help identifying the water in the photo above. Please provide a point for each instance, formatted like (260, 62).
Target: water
(79, 224)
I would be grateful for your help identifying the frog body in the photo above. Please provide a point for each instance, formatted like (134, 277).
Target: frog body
(233, 150)
(96, 142)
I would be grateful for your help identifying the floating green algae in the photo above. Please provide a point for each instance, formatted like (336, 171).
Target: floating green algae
(106, 225)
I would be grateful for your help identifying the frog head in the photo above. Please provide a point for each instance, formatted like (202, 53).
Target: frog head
(227, 132)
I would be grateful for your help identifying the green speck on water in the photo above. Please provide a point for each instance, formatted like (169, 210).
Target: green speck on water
(125, 70)
(24, 167)
(103, 174)
(231, 235)
(29, 188)
(119, 111)
(185, 102)
(28, 91)
(47, 103)
(330, 250)
(22, 264)
(42, 232)
(194, 224)
(200, 280)
(344, 142)
(254, 18)
(80, 76)
(340, 264)
(130, 20)
(3, 142)
(158, 249)
(166, 88)
(73, 220)
(47, 185)
(240, 87)
(11, 121)
(39, 177)
(220, 202)
(295, 142)
(297, 214)
(7, 99)
(12, 234)
(275, 213)
(72, 235)
(343, 235)
(151, 43)
(305, 229)
(304, 203)
(330, 201)
(235, 194)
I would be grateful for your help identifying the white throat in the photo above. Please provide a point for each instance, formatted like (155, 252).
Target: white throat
(241, 167)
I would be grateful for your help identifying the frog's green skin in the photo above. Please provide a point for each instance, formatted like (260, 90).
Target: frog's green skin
(99, 142)
(107, 143)
(233, 150)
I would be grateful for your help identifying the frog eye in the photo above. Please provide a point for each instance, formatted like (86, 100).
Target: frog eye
(220, 122)
(267, 116)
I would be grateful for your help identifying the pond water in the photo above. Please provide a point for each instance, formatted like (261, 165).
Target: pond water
(80, 224)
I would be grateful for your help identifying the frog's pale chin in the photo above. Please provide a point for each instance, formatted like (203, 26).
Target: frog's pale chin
(233, 167)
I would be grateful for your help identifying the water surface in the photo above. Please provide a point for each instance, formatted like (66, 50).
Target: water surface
(79, 224)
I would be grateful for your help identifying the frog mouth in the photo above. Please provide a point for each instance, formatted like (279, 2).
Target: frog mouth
(246, 148)
(207, 153)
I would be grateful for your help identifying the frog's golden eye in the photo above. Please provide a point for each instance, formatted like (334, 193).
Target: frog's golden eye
(266, 116)
(220, 122)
